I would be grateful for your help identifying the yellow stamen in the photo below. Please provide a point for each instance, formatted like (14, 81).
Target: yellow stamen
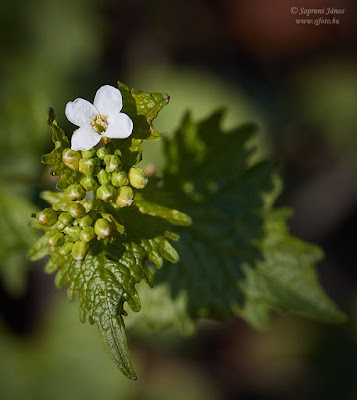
(99, 123)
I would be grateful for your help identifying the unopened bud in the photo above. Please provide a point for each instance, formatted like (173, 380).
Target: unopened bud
(106, 193)
(85, 221)
(113, 163)
(87, 204)
(59, 226)
(87, 234)
(103, 177)
(57, 239)
(47, 217)
(125, 196)
(77, 210)
(75, 192)
(66, 248)
(86, 166)
(65, 218)
(102, 152)
(80, 250)
(137, 178)
(89, 183)
(103, 228)
(119, 179)
(71, 158)
(88, 153)
(72, 231)
(117, 152)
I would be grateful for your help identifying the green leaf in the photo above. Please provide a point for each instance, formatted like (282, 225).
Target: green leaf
(286, 279)
(237, 258)
(143, 108)
(68, 176)
(107, 277)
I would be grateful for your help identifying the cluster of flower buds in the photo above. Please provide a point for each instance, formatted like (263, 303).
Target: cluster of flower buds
(72, 230)
(104, 175)
(79, 222)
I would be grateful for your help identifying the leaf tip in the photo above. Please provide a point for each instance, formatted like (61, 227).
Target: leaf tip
(50, 115)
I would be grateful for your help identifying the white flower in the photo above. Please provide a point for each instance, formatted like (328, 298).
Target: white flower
(101, 119)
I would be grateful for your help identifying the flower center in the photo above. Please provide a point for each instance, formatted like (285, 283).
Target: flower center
(99, 124)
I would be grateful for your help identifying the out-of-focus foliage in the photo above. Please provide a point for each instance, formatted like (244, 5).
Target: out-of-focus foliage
(44, 46)
(325, 96)
(16, 238)
(65, 361)
(206, 95)
(238, 257)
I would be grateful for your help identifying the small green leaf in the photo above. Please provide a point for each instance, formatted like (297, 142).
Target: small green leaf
(68, 176)
(175, 217)
(143, 108)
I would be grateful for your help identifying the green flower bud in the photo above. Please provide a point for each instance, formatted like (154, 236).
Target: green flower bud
(89, 153)
(106, 193)
(89, 183)
(86, 166)
(119, 179)
(102, 152)
(137, 178)
(71, 158)
(59, 226)
(103, 177)
(75, 192)
(66, 248)
(77, 210)
(80, 250)
(113, 163)
(87, 234)
(65, 218)
(73, 231)
(47, 217)
(117, 152)
(125, 196)
(87, 204)
(57, 239)
(85, 221)
(103, 228)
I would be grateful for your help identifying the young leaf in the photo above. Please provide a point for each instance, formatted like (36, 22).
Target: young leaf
(237, 258)
(143, 109)
(68, 176)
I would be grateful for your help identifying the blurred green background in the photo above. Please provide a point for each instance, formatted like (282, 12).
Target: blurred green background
(298, 82)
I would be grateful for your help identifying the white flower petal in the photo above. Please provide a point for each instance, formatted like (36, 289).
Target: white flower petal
(84, 139)
(80, 112)
(120, 126)
(108, 100)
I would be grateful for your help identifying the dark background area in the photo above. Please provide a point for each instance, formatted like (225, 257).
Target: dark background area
(299, 82)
